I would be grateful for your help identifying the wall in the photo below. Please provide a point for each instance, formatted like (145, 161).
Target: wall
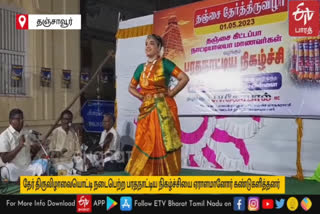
(55, 49)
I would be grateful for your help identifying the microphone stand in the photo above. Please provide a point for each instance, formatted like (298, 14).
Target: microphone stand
(47, 156)
(37, 140)
(83, 157)
(84, 171)
(45, 152)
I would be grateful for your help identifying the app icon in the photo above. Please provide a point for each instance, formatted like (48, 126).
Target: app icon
(84, 203)
(110, 203)
(253, 203)
(292, 203)
(267, 204)
(280, 203)
(239, 203)
(306, 203)
(126, 203)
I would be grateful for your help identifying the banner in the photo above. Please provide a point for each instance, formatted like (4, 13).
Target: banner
(152, 185)
(84, 78)
(48, 21)
(45, 77)
(66, 78)
(92, 112)
(240, 59)
(17, 71)
(140, 203)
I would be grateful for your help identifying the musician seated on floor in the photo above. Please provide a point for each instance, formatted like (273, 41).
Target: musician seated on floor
(64, 146)
(17, 151)
(107, 153)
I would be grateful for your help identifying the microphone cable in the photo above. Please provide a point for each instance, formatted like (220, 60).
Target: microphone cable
(4, 182)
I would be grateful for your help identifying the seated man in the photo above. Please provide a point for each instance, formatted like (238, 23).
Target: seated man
(16, 152)
(64, 145)
(107, 154)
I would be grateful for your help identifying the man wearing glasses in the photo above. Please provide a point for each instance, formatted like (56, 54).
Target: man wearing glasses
(17, 152)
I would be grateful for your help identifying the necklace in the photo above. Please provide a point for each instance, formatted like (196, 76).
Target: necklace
(146, 74)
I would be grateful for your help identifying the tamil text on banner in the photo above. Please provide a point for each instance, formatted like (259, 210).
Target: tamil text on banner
(93, 111)
(152, 184)
(240, 58)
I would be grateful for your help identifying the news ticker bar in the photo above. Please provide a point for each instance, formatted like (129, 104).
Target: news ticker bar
(48, 21)
(135, 203)
(152, 184)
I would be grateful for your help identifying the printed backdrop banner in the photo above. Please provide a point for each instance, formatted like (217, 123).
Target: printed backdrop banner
(240, 59)
(225, 143)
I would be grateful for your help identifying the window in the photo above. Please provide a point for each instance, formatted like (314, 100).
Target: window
(12, 54)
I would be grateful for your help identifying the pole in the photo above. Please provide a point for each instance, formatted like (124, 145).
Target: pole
(110, 54)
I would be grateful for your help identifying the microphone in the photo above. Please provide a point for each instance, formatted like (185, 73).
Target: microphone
(34, 137)
(30, 134)
(34, 132)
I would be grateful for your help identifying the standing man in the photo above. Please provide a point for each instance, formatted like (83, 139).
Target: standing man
(16, 153)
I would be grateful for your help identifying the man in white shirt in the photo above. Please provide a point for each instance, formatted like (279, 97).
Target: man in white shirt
(109, 146)
(16, 153)
(64, 145)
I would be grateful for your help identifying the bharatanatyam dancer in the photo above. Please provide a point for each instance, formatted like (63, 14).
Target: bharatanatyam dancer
(157, 149)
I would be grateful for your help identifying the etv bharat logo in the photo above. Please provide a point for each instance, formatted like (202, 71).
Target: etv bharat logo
(306, 15)
(303, 18)
(84, 203)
